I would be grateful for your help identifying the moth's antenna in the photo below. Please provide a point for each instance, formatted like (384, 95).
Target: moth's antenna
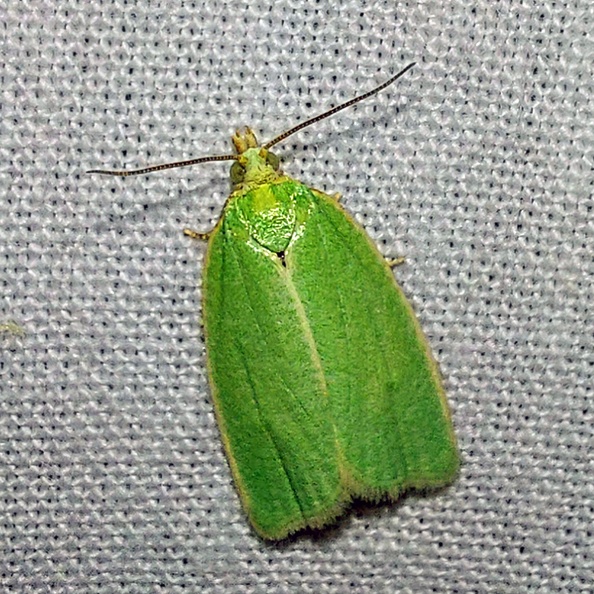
(281, 137)
(336, 109)
(126, 173)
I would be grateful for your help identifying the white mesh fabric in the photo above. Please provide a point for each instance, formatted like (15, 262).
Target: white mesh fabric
(476, 166)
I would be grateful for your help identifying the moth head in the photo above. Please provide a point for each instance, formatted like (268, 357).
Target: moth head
(254, 163)
(244, 139)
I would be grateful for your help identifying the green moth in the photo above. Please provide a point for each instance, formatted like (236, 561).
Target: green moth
(324, 386)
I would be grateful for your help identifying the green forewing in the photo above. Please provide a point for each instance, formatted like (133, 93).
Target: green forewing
(323, 384)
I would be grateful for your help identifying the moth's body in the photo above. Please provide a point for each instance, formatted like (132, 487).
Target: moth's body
(323, 384)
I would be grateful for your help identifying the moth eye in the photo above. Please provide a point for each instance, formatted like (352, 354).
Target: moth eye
(273, 161)
(237, 172)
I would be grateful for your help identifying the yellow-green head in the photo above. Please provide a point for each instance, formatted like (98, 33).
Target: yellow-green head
(255, 164)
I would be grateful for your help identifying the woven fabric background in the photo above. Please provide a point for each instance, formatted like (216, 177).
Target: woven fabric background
(477, 166)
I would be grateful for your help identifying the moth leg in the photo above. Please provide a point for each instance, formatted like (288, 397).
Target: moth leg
(337, 196)
(196, 234)
(12, 327)
(393, 262)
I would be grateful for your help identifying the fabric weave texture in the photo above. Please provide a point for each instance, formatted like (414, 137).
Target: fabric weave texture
(477, 167)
